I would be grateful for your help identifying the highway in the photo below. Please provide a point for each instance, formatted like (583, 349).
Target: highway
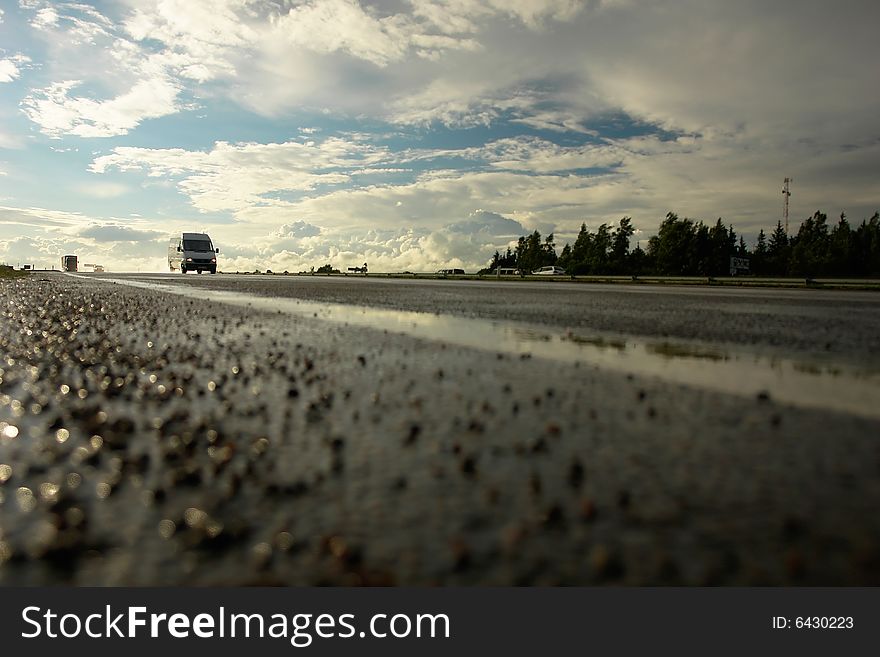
(161, 429)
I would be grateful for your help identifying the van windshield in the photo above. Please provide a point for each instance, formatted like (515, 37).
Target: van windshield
(203, 246)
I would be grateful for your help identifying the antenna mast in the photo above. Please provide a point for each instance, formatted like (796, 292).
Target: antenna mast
(786, 192)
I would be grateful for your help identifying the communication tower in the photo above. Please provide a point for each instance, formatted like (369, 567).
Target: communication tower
(786, 193)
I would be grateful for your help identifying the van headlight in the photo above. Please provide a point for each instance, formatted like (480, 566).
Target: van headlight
(213, 259)
(189, 259)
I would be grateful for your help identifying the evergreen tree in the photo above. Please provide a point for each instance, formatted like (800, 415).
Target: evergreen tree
(580, 252)
(759, 260)
(778, 251)
(548, 252)
(810, 252)
(841, 248)
(620, 246)
(672, 247)
(564, 260)
(599, 250)
(683, 247)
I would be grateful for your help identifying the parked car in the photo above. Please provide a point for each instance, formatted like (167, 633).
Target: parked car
(550, 271)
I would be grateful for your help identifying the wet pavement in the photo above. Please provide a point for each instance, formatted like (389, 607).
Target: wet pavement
(831, 325)
(151, 438)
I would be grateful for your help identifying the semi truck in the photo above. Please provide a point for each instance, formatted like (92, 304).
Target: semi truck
(192, 252)
(69, 263)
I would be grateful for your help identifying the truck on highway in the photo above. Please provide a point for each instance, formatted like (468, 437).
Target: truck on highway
(192, 252)
(69, 263)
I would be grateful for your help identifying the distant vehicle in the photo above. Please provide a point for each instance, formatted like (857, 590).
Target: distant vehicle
(27, 267)
(549, 271)
(451, 272)
(506, 271)
(69, 263)
(192, 252)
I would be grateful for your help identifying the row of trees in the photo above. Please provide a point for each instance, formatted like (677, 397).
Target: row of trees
(685, 247)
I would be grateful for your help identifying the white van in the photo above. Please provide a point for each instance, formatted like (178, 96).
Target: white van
(192, 252)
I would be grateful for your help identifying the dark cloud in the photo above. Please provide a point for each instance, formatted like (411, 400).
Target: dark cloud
(118, 233)
(489, 223)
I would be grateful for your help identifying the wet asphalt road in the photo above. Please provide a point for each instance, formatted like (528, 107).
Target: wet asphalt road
(151, 439)
(830, 325)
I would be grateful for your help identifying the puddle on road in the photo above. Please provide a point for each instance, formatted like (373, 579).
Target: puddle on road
(737, 372)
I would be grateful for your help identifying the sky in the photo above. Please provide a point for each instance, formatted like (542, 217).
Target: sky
(416, 135)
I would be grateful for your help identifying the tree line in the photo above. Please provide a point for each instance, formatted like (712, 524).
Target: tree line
(685, 247)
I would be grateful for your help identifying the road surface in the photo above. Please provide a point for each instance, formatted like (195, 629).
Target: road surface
(179, 436)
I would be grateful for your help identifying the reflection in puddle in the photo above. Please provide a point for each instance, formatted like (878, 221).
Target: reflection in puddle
(729, 371)
(670, 350)
(532, 334)
(596, 341)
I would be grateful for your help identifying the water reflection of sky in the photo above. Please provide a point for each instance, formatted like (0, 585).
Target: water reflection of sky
(712, 367)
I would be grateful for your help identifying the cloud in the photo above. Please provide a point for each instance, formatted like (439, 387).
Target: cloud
(203, 38)
(10, 67)
(58, 113)
(42, 252)
(299, 229)
(690, 65)
(326, 26)
(45, 251)
(237, 176)
(102, 190)
(110, 85)
(8, 70)
(555, 121)
(119, 233)
(267, 183)
(542, 156)
(468, 243)
(41, 236)
(40, 217)
(489, 224)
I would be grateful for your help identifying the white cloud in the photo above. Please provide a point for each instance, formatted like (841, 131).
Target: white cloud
(45, 18)
(120, 84)
(298, 230)
(10, 67)
(327, 26)
(469, 244)
(40, 217)
(238, 176)
(59, 113)
(43, 235)
(8, 70)
(202, 37)
(102, 190)
(541, 156)
(45, 251)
